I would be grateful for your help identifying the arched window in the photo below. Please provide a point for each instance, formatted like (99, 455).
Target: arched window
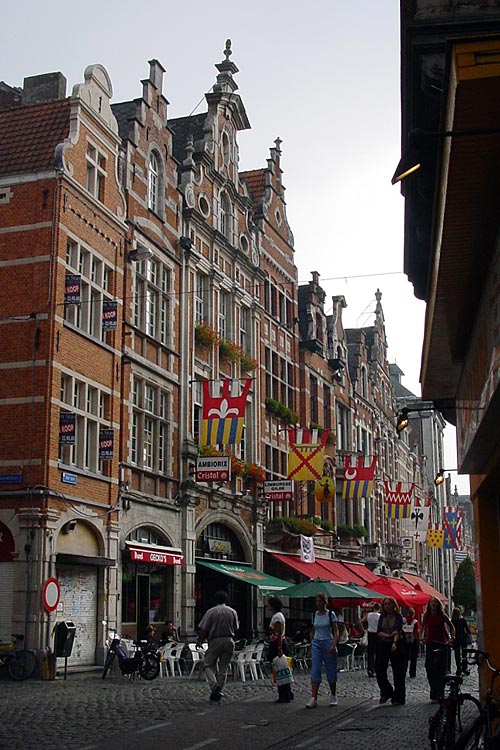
(153, 182)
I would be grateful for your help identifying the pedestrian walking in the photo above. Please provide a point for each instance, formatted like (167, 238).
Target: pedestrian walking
(371, 621)
(219, 625)
(438, 632)
(463, 639)
(411, 640)
(390, 649)
(278, 645)
(325, 636)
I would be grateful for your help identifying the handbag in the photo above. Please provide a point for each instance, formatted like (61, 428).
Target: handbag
(282, 674)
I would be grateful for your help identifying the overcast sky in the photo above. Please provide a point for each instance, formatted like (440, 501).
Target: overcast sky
(323, 76)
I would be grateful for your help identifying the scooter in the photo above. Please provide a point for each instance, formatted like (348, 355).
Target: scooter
(144, 660)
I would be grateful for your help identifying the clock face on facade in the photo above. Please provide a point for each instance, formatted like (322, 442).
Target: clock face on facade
(255, 257)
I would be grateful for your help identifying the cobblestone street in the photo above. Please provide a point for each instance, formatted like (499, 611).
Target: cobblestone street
(84, 712)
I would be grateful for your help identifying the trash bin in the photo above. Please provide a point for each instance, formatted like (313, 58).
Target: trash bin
(64, 636)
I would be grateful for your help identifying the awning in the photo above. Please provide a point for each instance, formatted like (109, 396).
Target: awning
(247, 574)
(336, 571)
(309, 570)
(63, 558)
(421, 585)
(361, 571)
(154, 554)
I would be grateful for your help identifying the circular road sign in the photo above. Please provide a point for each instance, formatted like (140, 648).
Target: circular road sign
(50, 594)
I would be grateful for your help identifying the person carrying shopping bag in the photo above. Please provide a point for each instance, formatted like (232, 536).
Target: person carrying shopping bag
(278, 645)
(325, 636)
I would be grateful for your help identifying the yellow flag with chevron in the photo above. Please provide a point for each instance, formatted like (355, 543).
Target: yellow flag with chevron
(435, 535)
(306, 455)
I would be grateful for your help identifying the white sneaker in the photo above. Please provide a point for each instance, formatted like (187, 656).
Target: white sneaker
(333, 701)
(312, 703)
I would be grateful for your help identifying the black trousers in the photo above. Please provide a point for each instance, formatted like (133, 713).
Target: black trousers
(436, 667)
(460, 650)
(384, 656)
(370, 651)
(412, 650)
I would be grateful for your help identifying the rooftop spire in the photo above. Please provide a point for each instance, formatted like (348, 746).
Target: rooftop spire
(227, 69)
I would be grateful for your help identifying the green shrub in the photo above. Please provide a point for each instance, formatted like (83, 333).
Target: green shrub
(291, 524)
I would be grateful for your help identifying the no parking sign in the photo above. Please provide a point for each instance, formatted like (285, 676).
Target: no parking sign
(50, 594)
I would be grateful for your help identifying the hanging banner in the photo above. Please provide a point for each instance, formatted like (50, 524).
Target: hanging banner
(452, 525)
(72, 289)
(223, 413)
(305, 454)
(358, 480)
(398, 504)
(67, 428)
(307, 554)
(106, 444)
(435, 535)
(419, 518)
(324, 490)
(109, 315)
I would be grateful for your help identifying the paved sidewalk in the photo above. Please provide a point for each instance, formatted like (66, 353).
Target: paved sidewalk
(85, 711)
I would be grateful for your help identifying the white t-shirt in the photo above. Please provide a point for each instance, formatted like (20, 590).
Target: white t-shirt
(372, 621)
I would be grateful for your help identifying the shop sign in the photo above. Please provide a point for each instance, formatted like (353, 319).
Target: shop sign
(72, 289)
(153, 557)
(219, 545)
(213, 468)
(109, 315)
(275, 492)
(106, 444)
(67, 428)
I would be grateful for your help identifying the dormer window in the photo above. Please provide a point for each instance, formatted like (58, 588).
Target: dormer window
(153, 182)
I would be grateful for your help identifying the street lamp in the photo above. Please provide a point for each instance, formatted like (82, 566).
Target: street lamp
(411, 158)
(403, 417)
(439, 478)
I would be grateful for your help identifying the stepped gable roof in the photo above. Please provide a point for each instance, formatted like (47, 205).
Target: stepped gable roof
(124, 113)
(29, 136)
(182, 128)
(256, 183)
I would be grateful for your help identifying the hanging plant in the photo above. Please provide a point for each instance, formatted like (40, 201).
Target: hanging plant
(247, 362)
(237, 466)
(228, 351)
(253, 473)
(205, 336)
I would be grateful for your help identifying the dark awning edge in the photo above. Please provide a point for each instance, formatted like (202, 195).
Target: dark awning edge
(62, 558)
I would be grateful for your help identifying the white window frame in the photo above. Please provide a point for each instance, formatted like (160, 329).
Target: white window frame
(150, 434)
(96, 171)
(154, 171)
(152, 304)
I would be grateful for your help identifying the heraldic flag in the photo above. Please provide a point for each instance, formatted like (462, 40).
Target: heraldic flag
(305, 454)
(398, 504)
(452, 526)
(435, 535)
(223, 414)
(358, 480)
(419, 518)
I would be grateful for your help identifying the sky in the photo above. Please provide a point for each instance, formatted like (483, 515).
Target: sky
(324, 77)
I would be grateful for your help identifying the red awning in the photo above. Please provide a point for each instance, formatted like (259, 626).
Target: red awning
(336, 571)
(153, 554)
(402, 591)
(421, 585)
(309, 570)
(359, 570)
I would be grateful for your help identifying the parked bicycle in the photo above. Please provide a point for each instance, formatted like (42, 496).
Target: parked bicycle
(484, 734)
(457, 713)
(20, 662)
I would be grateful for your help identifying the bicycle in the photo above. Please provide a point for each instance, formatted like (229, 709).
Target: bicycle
(483, 734)
(20, 663)
(457, 713)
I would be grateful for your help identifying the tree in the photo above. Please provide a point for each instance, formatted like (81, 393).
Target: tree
(464, 586)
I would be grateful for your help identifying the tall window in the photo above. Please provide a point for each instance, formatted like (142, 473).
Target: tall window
(244, 323)
(96, 172)
(279, 378)
(95, 282)
(153, 287)
(313, 398)
(91, 405)
(153, 182)
(364, 381)
(225, 216)
(150, 445)
(223, 308)
(199, 298)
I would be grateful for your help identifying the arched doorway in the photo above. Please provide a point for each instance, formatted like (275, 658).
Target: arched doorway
(7, 549)
(148, 582)
(219, 542)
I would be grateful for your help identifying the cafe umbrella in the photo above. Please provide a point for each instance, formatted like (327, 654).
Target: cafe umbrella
(321, 585)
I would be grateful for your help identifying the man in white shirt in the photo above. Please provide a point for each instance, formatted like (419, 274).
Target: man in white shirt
(371, 620)
(219, 624)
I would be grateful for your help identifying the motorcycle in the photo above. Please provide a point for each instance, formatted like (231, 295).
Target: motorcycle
(143, 661)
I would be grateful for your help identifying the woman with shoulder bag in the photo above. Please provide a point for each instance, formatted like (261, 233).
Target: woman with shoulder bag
(390, 649)
(325, 635)
(278, 645)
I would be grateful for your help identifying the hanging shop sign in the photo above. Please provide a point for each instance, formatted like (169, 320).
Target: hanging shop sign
(275, 492)
(154, 554)
(213, 468)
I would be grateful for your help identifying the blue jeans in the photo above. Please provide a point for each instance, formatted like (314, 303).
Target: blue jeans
(320, 651)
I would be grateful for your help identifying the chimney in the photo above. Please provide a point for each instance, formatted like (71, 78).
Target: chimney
(44, 88)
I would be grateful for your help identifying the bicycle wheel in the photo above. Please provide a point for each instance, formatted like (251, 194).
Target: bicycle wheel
(439, 729)
(149, 669)
(110, 656)
(467, 714)
(473, 737)
(21, 664)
